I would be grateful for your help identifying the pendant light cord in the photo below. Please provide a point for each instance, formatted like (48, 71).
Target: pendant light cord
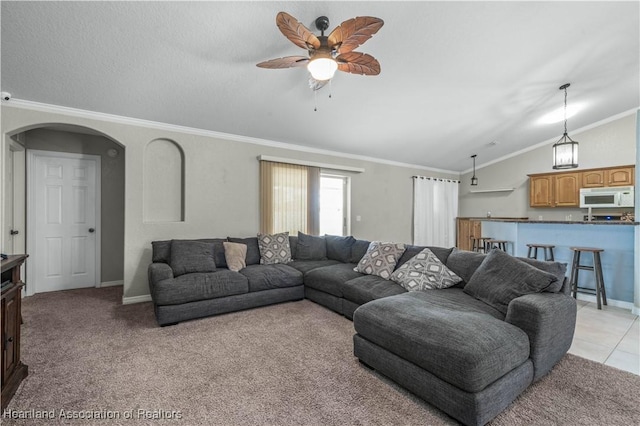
(565, 110)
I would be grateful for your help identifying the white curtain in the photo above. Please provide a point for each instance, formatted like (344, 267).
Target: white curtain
(435, 207)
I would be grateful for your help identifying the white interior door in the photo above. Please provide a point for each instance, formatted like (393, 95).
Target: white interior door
(63, 219)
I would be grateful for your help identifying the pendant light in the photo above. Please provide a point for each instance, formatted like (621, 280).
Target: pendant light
(565, 151)
(474, 179)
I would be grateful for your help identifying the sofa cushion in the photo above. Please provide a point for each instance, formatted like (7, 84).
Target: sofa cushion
(305, 266)
(380, 259)
(425, 271)
(501, 278)
(191, 256)
(339, 248)
(267, 277)
(235, 254)
(464, 263)
(331, 279)
(218, 250)
(293, 245)
(369, 287)
(410, 251)
(161, 251)
(199, 286)
(448, 333)
(558, 269)
(359, 249)
(253, 251)
(311, 247)
(274, 248)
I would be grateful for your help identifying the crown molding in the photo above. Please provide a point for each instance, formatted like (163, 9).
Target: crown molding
(554, 140)
(112, 118)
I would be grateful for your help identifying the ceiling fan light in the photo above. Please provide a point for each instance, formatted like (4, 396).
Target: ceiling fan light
(322, 68)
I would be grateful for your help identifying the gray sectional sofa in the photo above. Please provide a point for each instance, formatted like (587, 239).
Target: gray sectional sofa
(469, 350)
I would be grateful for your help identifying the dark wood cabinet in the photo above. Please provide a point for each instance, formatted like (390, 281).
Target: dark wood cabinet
(13, 370)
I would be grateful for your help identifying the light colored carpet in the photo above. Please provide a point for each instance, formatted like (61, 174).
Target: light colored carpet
(286, 364)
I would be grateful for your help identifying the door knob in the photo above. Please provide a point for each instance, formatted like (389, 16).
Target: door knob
(14, 232)
(91, 230)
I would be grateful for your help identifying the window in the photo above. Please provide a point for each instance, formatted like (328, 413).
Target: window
(334, 199)
(299, 198)
(289, 195)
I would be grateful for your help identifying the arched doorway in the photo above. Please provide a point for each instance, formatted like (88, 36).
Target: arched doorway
(64, 140)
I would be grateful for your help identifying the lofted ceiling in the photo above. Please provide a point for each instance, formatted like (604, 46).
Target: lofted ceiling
(458, 78)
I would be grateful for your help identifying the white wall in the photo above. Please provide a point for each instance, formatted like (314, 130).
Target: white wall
(221, 187)
(609, 144)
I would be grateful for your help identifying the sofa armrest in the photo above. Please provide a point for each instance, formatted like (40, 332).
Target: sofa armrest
(158, 272)
(549, 319)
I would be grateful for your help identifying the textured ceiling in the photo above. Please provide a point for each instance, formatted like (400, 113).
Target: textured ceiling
(456, 76)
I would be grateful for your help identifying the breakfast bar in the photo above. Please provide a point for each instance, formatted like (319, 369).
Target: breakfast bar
(615, 237)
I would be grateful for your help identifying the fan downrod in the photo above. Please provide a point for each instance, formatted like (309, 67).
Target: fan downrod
(322, 23)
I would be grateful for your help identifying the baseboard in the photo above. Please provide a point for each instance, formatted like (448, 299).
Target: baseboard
(111, 283)
(136, 299)
(610, 302)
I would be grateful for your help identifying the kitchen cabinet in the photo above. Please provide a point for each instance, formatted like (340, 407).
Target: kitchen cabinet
(465, 229)
(622, 176)
(554, 190)
(562, 189)
(616, 176)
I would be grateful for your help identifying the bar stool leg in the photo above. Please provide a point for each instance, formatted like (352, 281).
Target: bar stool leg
(599, 278)
(550, 257)
(598, 286)
(529, 253)
(573, 281)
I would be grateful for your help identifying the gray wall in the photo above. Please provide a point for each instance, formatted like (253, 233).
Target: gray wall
(610, 144)
(221, 187)
(112, 189)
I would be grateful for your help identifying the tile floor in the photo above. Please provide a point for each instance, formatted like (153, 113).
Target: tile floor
(610, 336)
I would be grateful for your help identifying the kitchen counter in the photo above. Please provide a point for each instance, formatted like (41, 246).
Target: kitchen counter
(566, 222)
(615, 237)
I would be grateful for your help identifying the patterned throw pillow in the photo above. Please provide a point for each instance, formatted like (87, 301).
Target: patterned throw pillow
(274, 248)
(380, 259)
(424, 271)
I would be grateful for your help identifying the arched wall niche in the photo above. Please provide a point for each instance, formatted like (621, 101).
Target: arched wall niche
(163, 182)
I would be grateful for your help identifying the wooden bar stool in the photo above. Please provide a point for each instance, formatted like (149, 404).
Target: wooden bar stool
(479, 244)
(597, 270)
(547, 250)
(500, 244)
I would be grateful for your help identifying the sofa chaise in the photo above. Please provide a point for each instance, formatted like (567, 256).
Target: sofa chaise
(469, 349)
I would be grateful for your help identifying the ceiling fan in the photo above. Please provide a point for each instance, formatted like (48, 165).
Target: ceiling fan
(328, 53)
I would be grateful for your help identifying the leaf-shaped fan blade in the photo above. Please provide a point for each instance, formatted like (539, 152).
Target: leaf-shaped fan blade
(316, 84)
(286, 62)
(358, 63)
(296, 32)
(354, 32)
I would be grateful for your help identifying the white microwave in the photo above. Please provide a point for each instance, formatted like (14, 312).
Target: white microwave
(622, 196)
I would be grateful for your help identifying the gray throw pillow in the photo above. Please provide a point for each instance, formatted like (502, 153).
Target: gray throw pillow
(274, 248)
(501, 278)
(359, 249)
(311, 247)
(191, 256)
(339, 248)
(424, 271)
(253, 250)
(464, 263)
(558, 269)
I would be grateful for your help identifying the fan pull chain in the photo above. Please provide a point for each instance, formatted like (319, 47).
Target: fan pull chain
(315, 100)
(330, 87)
